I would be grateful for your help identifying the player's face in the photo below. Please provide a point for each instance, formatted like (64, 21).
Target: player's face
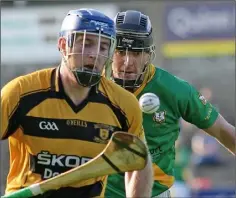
(128, 65)
(85, 54)
(89, 51)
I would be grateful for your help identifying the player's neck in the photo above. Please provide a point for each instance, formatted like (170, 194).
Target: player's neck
(73, 90)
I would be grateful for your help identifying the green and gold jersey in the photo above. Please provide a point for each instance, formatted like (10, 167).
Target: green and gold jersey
(178, 99)
(49, 135)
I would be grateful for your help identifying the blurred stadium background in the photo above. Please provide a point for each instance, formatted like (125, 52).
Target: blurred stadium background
(194, 40)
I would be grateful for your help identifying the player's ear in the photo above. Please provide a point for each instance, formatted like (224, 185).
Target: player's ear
(62, 45)
(147, 56)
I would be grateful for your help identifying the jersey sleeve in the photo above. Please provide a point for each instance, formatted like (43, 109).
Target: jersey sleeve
(194, 108)
(10, 97)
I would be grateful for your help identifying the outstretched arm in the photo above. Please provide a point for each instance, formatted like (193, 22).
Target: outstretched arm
(223, 132)
(195, 109)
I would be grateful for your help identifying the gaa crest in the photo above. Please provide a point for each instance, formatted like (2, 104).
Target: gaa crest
(104, 134)
(203, 99)
(159, 117)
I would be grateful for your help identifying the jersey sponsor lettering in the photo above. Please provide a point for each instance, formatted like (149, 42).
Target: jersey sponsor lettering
(79, 123)
(155, 152)
(49, 165)
(48, 126)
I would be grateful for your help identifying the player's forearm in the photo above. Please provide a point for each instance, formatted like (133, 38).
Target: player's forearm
(139, 183)
(227, 137)
(224, 133)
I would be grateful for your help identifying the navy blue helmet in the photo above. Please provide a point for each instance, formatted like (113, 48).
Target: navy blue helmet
(134, 33)
(88, 22)
(134, 30)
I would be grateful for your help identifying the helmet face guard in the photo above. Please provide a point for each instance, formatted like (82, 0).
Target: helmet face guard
(88, 73)
(90, 43)
(126, 43)
(134, 34)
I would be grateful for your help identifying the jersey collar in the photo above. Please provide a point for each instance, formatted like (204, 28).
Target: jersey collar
(147, 78)
(55, 79)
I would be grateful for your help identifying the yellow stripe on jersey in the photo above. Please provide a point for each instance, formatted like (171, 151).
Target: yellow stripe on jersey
(161, 177)
(148, 76)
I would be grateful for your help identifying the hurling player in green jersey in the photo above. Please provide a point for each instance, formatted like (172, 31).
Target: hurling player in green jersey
(132, 69)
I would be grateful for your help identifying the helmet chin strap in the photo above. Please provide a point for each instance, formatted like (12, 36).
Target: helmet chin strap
(83, 75)
(131, 85)
(128, 84)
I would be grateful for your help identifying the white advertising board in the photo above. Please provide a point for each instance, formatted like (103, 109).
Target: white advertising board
(29, 34)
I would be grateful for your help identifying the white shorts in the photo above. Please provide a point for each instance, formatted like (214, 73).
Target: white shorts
(165, 194)
(180, 189)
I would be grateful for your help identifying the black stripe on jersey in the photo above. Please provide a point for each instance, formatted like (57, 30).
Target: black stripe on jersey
(27, 102)
(14, 118)
(31, 100)
(59, 129)
(13, 123)
(53, 80)
(101, 98)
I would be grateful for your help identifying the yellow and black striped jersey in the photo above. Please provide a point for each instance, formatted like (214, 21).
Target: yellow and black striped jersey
(49, 135)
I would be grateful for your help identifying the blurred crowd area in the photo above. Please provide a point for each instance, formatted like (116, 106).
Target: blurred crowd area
(194, 41)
